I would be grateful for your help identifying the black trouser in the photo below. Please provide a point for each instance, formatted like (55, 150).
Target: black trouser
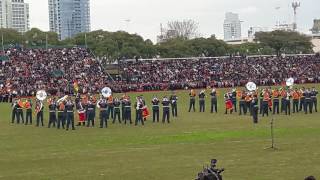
(122, 112)
(255, 110)
(116, 114)
(103, 118)
(202, 105)
(91, 115)
(308, 104)
(287, 107)
(28, 116)
(155, 115)
(139, 117)
(52, 119)
(242, 108)
(192, 105)
(261, 105)
(249, 107)
(61, 120)
(265, 110)
(295, 104)
(315, 103)
(127, 115)
(302, 104)
(174, 110)
(20, 115)
(166, 115)
(234, 103)
(283, 105)
(110, 112)
(276, 106)
(13, 115)
(214, 105)
(70, 120)
(40, 118)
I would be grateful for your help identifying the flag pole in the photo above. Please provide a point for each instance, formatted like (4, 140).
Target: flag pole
(2, 42)
(46, 41)
(85, 40)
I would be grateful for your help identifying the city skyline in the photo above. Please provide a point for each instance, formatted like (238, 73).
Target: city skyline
(146, 15)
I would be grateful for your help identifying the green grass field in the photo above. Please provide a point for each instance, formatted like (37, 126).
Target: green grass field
(164, 152)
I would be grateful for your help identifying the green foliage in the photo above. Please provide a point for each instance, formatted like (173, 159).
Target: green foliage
(110, 46)
(285, 41)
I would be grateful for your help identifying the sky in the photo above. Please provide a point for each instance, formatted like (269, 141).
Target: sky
(145, 16)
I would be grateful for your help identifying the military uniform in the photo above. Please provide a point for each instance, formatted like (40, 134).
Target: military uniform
(202, 103)
(174, 105)
(39, 108)
(102, 104)
(242, 104)
(295, 101)
(265, 103)
(192, 96)
(91, 113)
(19, 113)
(70, 115)
(139, 113)
(234, 100)
(166, 110)
(308, 102)
(110, 107)
(255, 109)
(52, 115)
(14, 111)
(28, 112)
(287, 104)
(116, 105)
(214, 102)
(155, 109)
(276, 101)
(127, 111)
(302, 100)
(61, 115)
(314, 94)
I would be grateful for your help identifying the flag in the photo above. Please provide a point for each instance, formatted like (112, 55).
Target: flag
(76, 86)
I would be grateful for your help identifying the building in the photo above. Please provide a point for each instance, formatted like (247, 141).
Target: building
(316, 27)
(69, 17)
(284, 27)
(253, 30)
(14, 14)
(166, 34)
(232, 27)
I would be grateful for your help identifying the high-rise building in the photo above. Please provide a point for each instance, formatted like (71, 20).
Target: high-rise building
(316, 26)
(232, 27)
(69, 17)
(14, 14)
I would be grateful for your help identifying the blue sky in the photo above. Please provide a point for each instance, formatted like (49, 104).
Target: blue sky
(146, 15)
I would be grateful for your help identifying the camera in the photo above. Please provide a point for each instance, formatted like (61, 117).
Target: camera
(210, 173)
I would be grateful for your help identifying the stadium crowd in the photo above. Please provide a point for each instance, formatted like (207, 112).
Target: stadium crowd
(54, 70)
(220, 72)
(60, 70)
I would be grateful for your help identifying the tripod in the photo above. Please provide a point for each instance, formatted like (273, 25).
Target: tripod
(272, 135)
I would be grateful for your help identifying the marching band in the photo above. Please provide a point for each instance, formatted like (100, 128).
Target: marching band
(61, 111)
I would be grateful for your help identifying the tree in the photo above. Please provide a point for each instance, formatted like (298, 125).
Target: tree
(186, 29)
(11, 37)
(36, 37)
(285, 41)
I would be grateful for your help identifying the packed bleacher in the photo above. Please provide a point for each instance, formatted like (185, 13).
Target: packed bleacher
(219, 72)
(54, 70)
(57, 70)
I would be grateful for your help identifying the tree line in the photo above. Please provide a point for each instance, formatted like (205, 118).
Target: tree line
(122, 45)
